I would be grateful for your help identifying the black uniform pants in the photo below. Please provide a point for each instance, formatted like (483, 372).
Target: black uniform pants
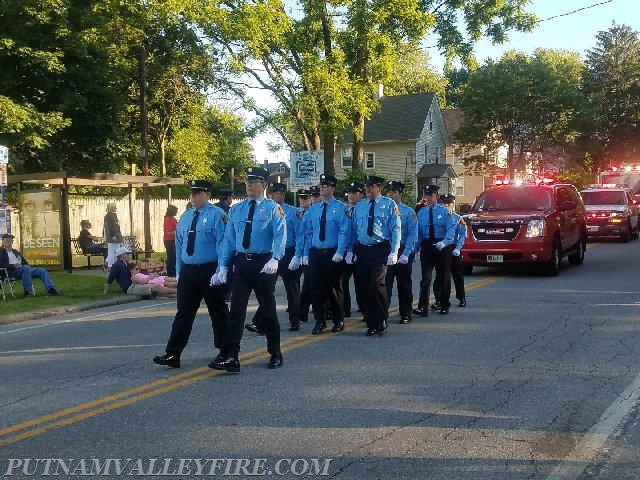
(291, 281)
(457, 276)
(170, 248)
(431, 258)
(326, 284)
(371, 270)
(193, 287)
(348, 272)
(247, 278)
(401, 273)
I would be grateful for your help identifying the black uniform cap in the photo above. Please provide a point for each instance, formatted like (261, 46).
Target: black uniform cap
(274, 187)
(430, 189)
(257, 173)
(328, 180)
(303, 192)
(199, 185)
(356, 187)
(395, 186)
(226, 192)
(315, 190)
(448, 198)
(374, 180)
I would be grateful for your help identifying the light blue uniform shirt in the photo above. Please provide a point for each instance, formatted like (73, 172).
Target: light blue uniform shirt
(460, 234)
(409, 229)
(444, 225)
(292, 223)
(209, 235)
(268, 233)
(302, 216)
(337, 228)
(386, 223)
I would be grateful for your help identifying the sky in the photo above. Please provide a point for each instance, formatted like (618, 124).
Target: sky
(574, 27)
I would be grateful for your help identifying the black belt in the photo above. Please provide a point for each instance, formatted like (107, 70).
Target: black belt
(199, 265)
(253, 256)
(386, 243)
(427, 242)
(329, 249)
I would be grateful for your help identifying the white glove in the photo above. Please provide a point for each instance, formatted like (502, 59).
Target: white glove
(350, 258)
(294, 264)
(270, 267)
(392, 259)
(305, 261)
(220, 277)
(456, 252)
(337, 258)
(440, 245)
(403, 260)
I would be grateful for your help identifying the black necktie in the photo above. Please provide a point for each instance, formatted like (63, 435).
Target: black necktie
(370, 224)
(432, 228)
(246, 238)
(191, 240)
(323, 223)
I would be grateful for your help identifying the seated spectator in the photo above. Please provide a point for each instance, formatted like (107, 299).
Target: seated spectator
(167, 286)
(87, 241)
(121, 274)
(19, 269)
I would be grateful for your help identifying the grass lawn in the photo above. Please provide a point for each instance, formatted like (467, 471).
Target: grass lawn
(73, 288)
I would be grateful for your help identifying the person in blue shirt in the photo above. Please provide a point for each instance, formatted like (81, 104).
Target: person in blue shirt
(326, 239)
(199, 236)
(408, 245)
(375, 241)
(225, 196)
(355, 191)
(436, 229)
(305, 200)
(290, 277)
(255, 240)
(459, 238)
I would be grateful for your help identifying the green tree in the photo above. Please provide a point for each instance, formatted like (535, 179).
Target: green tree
(526, 103)
(612, 87)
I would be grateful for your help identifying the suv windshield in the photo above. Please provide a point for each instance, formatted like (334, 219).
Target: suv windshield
(604, 197)
(514, 198)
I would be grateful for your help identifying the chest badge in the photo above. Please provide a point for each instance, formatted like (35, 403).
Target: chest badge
(262, 211)
(439, 217)
(204, 221)
(335, 212)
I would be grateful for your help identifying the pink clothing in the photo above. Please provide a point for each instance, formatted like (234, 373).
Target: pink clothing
(141, 277)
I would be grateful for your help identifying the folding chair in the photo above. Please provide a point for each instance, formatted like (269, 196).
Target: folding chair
(6, 283)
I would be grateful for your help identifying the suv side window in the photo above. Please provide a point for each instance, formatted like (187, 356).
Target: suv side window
(562, 195)
(575, 196)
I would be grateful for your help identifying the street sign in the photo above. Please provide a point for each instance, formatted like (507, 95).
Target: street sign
(3, 174)
(306, 168)
(4, 154)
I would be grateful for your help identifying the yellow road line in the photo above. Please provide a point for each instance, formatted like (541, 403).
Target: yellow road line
(170, 383)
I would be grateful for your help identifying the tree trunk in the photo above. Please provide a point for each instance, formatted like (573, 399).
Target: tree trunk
(357, 151)
(329, 154)
(511, 162)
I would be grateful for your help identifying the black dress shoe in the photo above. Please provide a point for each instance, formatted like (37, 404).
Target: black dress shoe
(52, 292)
(382, 330)
(370, 331)
(228, 364)
(421, 313)
(275, 361)
(436, 306)
(444, 311)
(304, 320)
(347, 314)
(317, 329)
(417, 311)
(463, 303)
(337, 327)
(294, 327)
(404, 321)
(252, 327)
(168, 359)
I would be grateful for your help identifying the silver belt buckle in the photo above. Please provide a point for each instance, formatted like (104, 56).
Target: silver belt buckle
(249, 257)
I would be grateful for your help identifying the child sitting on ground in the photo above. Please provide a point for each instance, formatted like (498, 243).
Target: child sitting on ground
(167, 286)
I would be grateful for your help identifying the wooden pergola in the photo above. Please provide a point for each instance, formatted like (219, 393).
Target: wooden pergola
(65, 179)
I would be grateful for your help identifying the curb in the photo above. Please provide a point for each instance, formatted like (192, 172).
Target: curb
(35, 315)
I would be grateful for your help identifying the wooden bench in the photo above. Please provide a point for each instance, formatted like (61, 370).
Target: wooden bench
(78, 250)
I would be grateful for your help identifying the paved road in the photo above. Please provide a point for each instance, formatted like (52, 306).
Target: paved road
(537, 378)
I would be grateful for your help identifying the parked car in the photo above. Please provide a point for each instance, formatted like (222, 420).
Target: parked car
(536, 223)
(612, 211)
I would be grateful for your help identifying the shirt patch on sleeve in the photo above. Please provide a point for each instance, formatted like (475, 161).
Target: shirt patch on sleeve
(396, 210)
(280, 209)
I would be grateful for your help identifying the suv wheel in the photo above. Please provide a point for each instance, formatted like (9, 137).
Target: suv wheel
(552, 267)
(636, 232)
(626, 236)
(577, 258)
(467, 269)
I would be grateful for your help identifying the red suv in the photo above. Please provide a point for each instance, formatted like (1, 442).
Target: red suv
(535, 224)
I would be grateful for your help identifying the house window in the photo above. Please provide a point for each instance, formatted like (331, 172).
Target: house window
(457, 156)
(346, 158)
(426, 154)
(369, 160)
(437, 154)
(431, 121)
(460, 187)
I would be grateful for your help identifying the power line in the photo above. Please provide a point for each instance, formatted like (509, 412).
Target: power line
(566, 14)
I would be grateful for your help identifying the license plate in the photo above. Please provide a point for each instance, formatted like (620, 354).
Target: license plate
(495, 258)
(592, 228)
(495, 231)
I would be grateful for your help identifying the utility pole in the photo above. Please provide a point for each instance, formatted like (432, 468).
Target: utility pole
(144, 150)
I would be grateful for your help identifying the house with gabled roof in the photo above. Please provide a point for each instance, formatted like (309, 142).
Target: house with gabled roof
(405, 140)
